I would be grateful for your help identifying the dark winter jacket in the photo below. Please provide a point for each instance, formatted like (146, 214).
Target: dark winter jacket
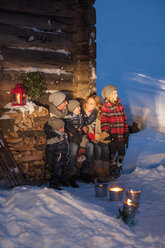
(114, 120)
(75, 122)
(57, 147)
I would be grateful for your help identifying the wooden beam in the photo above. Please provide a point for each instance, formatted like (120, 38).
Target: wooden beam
(55, 8)
(40, 59)
(47, 23)
(24, 37)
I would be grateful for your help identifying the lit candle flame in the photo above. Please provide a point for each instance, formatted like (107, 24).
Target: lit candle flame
(18, 98)
(116, 189)
(134, 191)
(129, 202)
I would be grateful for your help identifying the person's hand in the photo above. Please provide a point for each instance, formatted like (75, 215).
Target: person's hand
(95, 111)
(85, 129)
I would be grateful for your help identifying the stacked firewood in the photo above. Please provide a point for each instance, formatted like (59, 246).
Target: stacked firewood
(26, 140)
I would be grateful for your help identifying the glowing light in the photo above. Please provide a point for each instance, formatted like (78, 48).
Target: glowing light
(116, 189)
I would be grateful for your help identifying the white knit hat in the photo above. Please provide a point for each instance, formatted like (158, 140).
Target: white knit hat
(57, 98)
(107, 91)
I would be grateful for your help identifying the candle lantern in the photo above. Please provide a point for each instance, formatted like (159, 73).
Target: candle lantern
(18, 95)
(133, 195)
(116, 194)
(129, 208)
(101, 190)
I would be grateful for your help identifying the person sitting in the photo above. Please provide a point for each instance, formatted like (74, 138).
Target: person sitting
(101, 149)
(79, 141)
(57, 155)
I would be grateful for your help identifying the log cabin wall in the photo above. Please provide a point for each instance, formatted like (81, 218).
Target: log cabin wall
(55, 37)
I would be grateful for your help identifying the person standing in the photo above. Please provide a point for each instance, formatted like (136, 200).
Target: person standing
(114, 121)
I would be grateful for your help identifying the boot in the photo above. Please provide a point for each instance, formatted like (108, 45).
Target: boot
(115, 171)
(54, 185)
(85, 177)
(72, 182)
(99, 169)
(106, 168)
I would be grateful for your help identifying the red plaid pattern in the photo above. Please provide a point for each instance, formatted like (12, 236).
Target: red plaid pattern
(114, 120)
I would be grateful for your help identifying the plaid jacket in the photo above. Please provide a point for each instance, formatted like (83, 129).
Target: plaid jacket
(114, 120)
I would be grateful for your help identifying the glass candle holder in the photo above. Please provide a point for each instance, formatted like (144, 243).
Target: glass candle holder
(129, 208)
(133, 195)
(101, 190)
(116, 194)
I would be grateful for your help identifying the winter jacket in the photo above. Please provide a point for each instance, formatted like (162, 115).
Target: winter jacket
(114, 120)
(94, 128)
(75, 122)
(57, 148)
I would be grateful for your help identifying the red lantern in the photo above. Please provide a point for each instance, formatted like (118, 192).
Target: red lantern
(18, 95)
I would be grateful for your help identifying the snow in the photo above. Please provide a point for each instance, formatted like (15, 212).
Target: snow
(30, 107)
(131, 52)
(33, 48)
(45, 70)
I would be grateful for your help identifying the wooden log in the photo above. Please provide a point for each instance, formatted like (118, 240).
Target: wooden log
(31, 37)
(49, 7)
(84, 3)
(86, 33)
(5, 97)
(29, 158)
(7, 125)
(47, 23)
(19, 58)
(87, 15)
(83, 48)
(21, 148)
(14, 141)
(62, 86)
(10, 78)
(30, 133)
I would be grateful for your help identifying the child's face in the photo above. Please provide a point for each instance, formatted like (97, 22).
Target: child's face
(62, 129)
(77, 110)
(115, 95)
(90, 105)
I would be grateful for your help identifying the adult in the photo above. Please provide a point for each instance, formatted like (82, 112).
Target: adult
(98, 138)
(58, 104)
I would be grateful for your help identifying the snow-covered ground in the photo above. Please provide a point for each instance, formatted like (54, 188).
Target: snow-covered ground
(131, 55)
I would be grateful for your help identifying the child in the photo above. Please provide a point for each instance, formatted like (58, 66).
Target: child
(114, 122)
(57, 154)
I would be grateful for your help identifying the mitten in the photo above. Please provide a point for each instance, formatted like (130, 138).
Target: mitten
(126, 139)
(101, 137)
(95, 111)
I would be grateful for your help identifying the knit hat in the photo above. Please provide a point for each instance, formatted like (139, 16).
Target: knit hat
(57, 98)
(56, 123)
(72, 105)
(107, 91)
